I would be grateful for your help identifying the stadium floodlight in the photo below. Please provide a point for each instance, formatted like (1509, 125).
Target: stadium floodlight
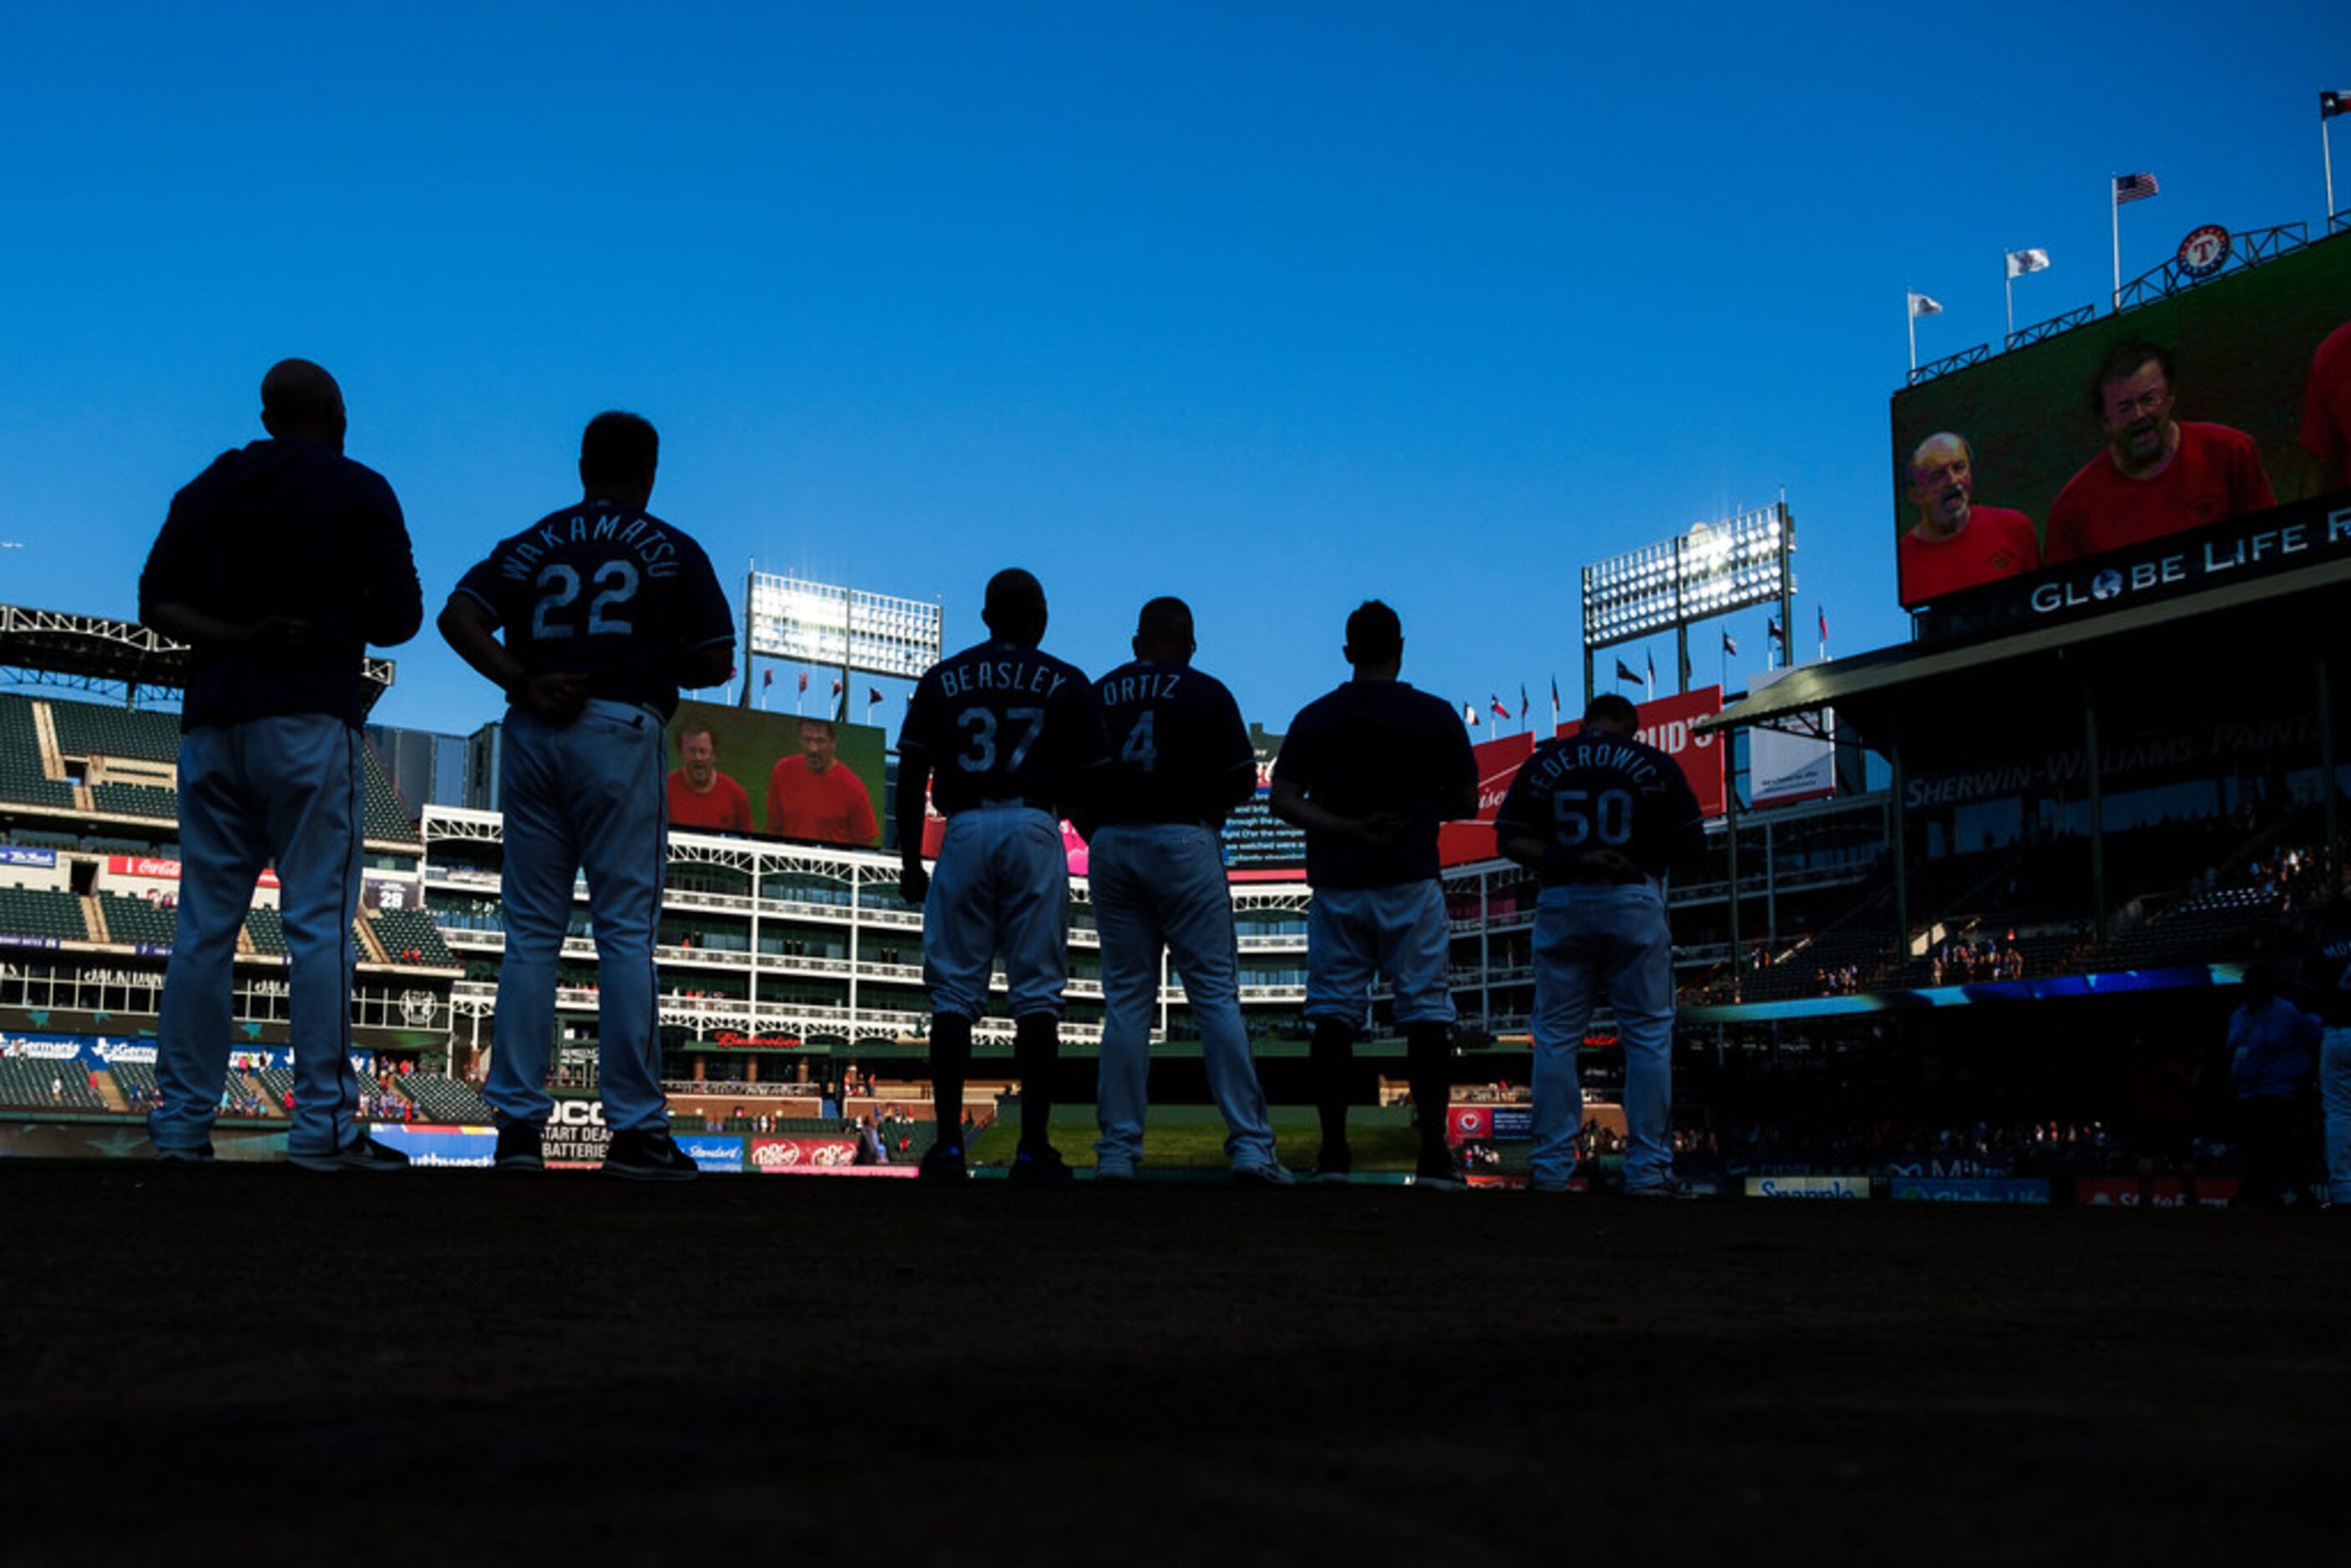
(848, 628)
(1713, 570)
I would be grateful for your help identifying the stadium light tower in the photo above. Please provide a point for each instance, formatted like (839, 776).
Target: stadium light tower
(845, 628)
(1713, 570)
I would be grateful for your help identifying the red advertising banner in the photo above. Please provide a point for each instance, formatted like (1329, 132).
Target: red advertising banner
(774, 1157)
(1457, 843)
(1469, 1123)
(1669, 723)
(164, 869)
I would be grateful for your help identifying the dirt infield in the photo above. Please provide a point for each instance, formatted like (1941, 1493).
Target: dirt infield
(207, 1364)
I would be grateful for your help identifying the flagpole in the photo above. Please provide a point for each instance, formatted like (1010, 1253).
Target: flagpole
(1911, 309)
(2008, 292)
(2115, 222)
(2326, 155)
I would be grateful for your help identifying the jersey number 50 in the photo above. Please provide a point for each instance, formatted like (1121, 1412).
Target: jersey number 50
(1582, 817)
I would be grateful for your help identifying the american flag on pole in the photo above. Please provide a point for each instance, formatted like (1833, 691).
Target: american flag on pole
(2133, 188)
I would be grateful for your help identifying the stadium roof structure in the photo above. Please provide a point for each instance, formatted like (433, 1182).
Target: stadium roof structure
(92, 652)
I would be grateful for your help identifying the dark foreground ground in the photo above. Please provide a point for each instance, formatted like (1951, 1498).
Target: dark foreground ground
(249, 1365)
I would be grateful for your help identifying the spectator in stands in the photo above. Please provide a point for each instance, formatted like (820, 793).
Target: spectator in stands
(278, 565)
(2272, 1045)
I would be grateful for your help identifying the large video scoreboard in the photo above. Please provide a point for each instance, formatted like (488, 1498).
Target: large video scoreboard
(2054, 453)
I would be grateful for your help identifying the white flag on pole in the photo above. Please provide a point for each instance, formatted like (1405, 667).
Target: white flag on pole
(1922, 305)
(2021, 262)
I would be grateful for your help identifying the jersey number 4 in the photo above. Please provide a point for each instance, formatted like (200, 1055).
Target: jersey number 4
(1582, 817)
(559, 590)
(1141, 748)
(981, 724)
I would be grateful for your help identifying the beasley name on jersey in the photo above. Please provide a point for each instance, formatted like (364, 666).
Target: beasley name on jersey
(1002, 722)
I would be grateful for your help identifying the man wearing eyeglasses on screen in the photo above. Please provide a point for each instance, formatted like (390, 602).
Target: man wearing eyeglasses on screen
(2158, 473)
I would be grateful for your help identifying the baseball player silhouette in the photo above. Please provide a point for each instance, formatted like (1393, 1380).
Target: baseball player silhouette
(1005, 736)
(1181, 760)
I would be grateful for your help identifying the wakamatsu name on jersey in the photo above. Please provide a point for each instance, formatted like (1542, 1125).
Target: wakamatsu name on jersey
(1140, 688)
(1598, 753)
(655, 549)
(1009, 677)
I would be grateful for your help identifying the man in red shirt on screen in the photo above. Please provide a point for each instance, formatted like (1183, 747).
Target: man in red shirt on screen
(2158, 473)
(699, 795)
(1957, 544)
(2326, 416)
(812, 796)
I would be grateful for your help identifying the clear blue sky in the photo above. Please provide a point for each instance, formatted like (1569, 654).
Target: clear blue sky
(1276, 307)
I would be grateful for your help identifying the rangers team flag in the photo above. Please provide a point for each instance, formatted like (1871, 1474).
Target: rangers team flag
(2133, 188)
(1729, 645)
(1524, 707)
(872, 695)
(766, 680)
(1625, 672)
(803, 680)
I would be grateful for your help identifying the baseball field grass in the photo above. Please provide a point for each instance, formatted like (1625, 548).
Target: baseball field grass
(1191, 1138)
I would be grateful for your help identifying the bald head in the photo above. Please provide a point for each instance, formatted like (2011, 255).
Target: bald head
(1014, 607)
(1164, 632)
(1942, 483)
(300, 400)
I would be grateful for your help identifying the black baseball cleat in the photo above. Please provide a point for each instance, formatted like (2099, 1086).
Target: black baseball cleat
(1663, 1186)
(648, 1154)
(941, 1162)
(519, 1148)
(1039, 1166)
(1334, 1166)
(1438, 1172)
(362, 1153)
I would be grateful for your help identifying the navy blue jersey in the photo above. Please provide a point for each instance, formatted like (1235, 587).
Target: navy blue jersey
(1594, 792)
(1179, 751)
(607, 593)
(1001, 722)
(1377, 746)
(286, 527)
(2322, 980)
